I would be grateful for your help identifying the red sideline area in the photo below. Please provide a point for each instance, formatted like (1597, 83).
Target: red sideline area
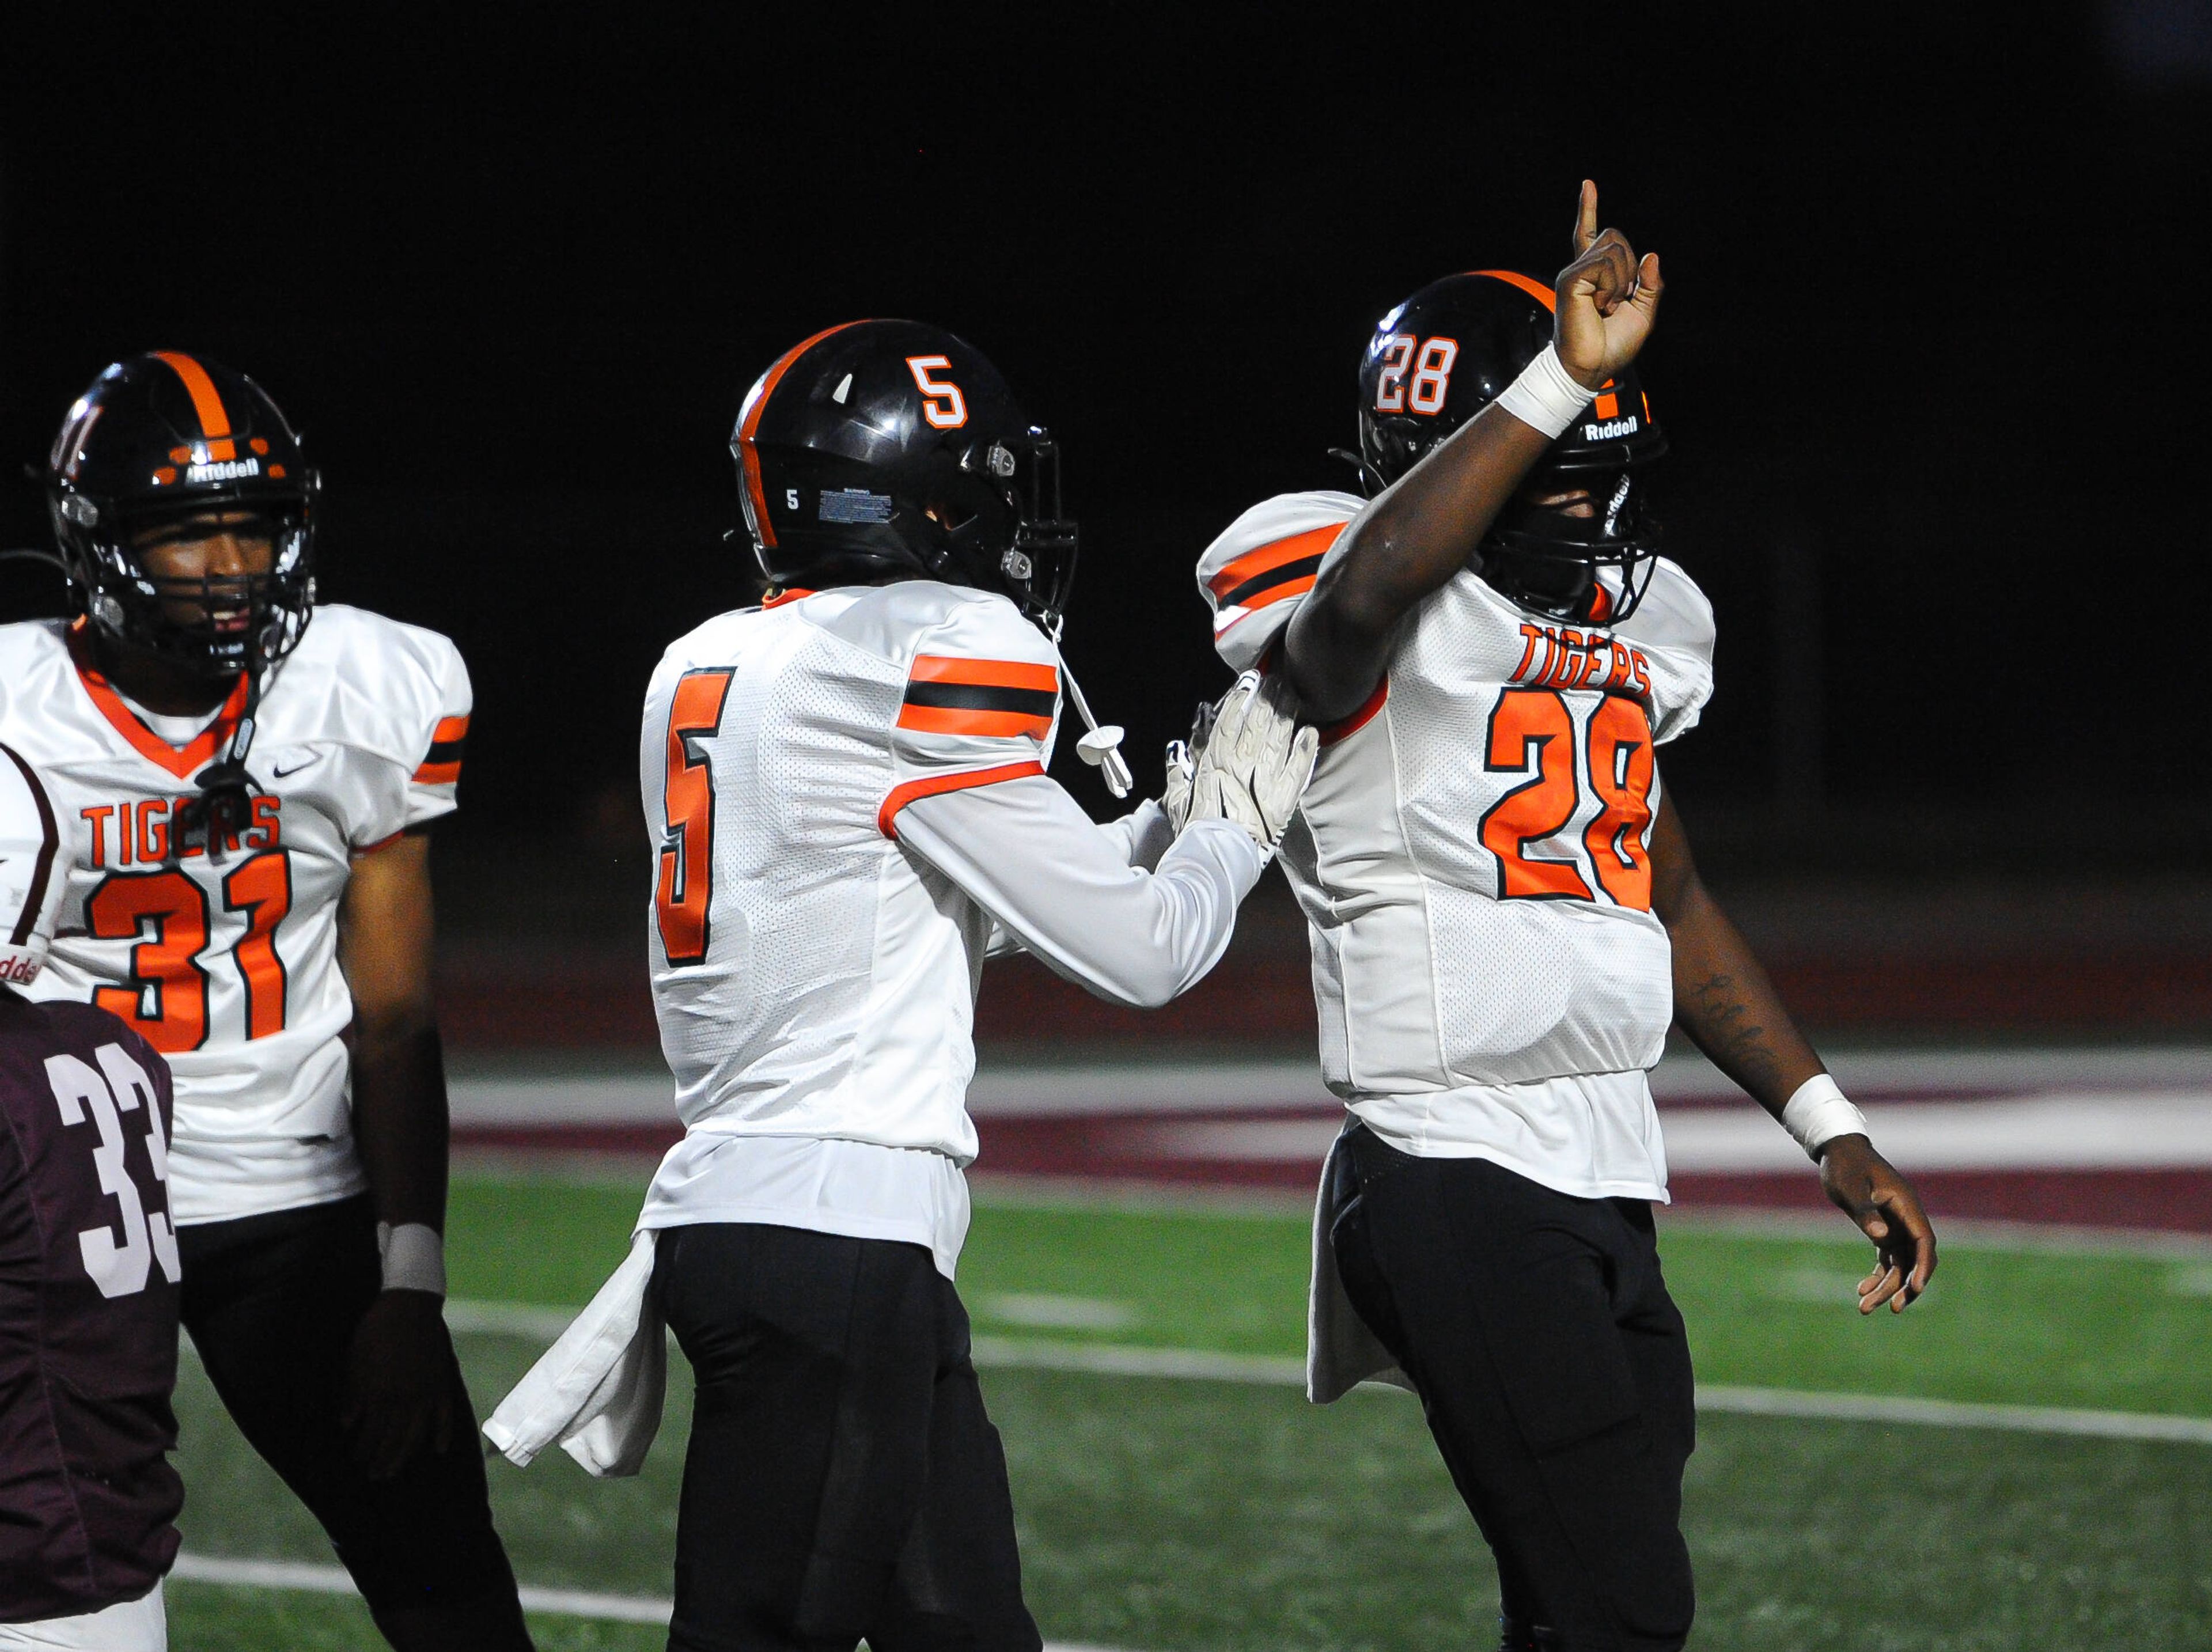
(1936, 983)
(1126, 1147)
(492, 1001)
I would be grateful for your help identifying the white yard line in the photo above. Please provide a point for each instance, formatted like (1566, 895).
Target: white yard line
(1274, 1370)
(1953, 1414)
(1955, 1232)
(332, 1580)
(2086, 1130)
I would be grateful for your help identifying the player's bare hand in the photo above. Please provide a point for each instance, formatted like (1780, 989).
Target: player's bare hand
(1869, 1189)
(1605, 301)
(399, 1396)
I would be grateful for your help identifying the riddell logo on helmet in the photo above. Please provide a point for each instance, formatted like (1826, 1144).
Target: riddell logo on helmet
(1610, 428)
(223, 470)
(18, 971)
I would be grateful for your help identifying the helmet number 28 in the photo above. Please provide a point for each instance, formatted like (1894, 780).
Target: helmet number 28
(942, 404)
(1432, 361)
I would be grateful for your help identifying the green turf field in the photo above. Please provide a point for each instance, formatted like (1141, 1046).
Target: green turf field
(1162, 1515)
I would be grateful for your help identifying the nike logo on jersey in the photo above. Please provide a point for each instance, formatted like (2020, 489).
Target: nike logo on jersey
(282, 770)
(1559, 657)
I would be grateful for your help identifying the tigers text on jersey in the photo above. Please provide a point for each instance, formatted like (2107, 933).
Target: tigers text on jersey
(88, 1296)
(1472, 858)
(229, 967)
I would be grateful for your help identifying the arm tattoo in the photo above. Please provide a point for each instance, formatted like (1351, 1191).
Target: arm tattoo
(1721, 1022)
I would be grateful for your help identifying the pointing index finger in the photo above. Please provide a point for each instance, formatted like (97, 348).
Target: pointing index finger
(1586, 218)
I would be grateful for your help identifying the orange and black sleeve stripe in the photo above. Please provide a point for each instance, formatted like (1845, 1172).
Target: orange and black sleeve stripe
(999, 698)
(441, 764)
(1275, 571)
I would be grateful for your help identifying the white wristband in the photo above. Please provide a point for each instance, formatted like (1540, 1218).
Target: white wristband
(1818, 1114)
(414, 1257)
(1546, 396)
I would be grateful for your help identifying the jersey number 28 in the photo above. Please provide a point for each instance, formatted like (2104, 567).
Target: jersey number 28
(1533, 729)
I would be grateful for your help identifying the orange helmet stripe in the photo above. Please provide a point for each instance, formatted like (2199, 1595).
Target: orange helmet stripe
(207, 403)
(749, 421)
(1528, 284)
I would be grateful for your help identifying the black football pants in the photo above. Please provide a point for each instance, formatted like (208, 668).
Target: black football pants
(1553, 1366)
(271, 1303)
(843, 1479)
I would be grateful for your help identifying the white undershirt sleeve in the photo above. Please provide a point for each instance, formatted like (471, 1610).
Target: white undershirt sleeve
(1061, 886)
(1141, 836)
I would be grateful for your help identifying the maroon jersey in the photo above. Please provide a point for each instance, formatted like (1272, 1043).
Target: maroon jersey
(88, 1313)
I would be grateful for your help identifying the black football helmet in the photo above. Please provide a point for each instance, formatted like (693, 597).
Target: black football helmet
(163, 438)
(886, 448)
(1445, 354)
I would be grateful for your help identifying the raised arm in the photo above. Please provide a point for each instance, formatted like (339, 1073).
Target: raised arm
(1412, 539)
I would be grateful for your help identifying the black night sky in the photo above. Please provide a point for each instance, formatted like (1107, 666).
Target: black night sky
(1930, 358)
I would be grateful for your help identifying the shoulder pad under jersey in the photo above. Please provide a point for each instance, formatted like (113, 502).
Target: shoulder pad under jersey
(1673, 624)
(1256, 573)
(980, 700)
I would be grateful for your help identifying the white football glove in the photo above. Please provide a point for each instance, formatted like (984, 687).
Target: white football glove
(1256, 761)
(1182, 766)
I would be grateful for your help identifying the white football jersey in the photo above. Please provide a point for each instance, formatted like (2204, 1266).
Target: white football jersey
(1472, 858)
(810, 978)
(229, 967)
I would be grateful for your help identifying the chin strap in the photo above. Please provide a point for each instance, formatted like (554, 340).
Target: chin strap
(1370, 479)
(1101, 747)
(224, 808)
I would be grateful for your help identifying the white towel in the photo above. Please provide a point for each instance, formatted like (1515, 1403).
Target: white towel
(598, 1390)
(1341, 1352)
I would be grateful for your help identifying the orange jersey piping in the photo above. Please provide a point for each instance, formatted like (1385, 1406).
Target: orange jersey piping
(181, 761)
(936, 784)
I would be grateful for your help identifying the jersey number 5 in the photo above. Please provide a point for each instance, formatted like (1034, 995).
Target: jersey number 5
(1532, 728)
(684, 894)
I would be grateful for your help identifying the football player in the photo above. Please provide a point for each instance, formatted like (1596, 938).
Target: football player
(244, 780)
(1504, 915)
(846, 789)
(88, 1272)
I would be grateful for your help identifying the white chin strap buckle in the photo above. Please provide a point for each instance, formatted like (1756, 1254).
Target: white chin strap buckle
(1102, 749)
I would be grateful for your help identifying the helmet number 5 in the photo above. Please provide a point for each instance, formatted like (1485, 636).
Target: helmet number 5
(942, 404)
